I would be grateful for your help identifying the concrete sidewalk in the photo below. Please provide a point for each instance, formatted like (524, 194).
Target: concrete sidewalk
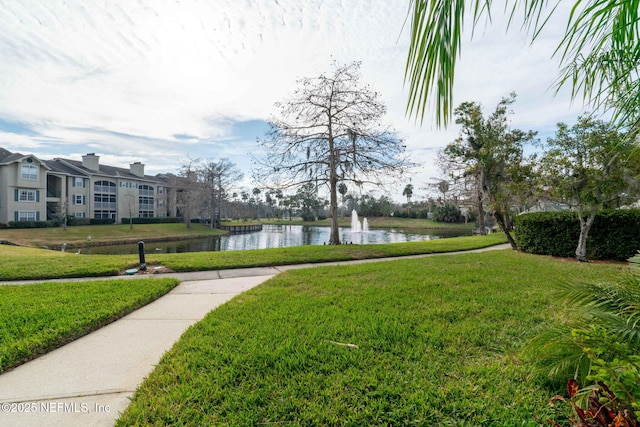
(88, 382)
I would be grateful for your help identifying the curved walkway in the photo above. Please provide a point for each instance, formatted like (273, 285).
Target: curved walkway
(88, 382)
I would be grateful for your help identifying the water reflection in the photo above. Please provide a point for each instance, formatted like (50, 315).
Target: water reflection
(275, 236)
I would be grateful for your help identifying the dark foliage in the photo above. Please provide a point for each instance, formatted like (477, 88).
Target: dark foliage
(34, 224)
(615, 234)
(448, 213)
(153, 220)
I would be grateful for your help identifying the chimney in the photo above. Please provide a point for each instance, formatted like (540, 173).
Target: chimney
(90, 161)
(137, 169)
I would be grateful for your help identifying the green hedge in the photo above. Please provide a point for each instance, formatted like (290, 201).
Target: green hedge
(152, 220)
(615, 234)
(73, 221)
(34, 224)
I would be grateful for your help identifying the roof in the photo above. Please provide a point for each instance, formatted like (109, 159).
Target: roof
(75, 167)
(7, 157)
(105, 170)
(62, 168)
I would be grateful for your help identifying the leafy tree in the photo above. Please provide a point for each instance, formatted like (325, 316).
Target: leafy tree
(493, 154)
(328, 132)
(310, 203)
(599, 51)
(371, 206)
(590, 166)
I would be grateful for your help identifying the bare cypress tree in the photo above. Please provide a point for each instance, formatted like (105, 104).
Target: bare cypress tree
(330, 131)
(218, 177)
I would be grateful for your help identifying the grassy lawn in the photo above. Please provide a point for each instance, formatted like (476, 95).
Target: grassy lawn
(38, 318)
(432, 341)
(19, 263)
(113, 234)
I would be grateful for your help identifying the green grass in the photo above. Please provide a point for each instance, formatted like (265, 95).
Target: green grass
(317, 253)
(113, 234)
(18, 263)
(38, 318)
(433, 341)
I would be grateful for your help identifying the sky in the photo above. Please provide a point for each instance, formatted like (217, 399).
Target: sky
(164, 82)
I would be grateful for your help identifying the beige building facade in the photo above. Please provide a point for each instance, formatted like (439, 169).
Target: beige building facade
(32, 189)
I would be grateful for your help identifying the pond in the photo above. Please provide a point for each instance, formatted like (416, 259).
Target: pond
(275, 236)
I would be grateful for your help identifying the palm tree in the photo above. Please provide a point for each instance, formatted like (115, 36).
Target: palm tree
(601, 339)
(599, 51)
(408, 191)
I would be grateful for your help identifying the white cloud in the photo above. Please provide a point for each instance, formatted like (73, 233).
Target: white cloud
(127, 78)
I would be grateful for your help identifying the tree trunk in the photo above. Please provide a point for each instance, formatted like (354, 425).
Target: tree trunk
(504, 226)
(585, 226)
(481, 216)
(334, 239)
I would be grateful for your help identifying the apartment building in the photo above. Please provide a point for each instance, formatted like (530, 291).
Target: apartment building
(32, 189)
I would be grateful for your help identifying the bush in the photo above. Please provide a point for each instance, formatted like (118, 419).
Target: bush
(73, 221)
(101, 221)
(615, 234)
(308, 216)
(448, 213)
(34, 224)
(155, 220)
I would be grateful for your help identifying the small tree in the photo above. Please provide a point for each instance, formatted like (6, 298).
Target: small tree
(328, 132)
(590, 167)
(188, 190)
(493, 154)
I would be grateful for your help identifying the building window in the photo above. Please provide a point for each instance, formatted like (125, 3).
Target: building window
(79, 199)
(104, 199)
(160, 190)
(105, 187)
(103, 214)
(78, 182)
(27, 216)
(27, 196)
(79, 214)
(146, 190)
(29, 172)
(145, 201)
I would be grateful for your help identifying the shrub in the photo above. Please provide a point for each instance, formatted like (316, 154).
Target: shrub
(447, 213)
(101, 221)
(615, 234)
(308, 216)
(73, 221)
(34, 224)
(156, 220)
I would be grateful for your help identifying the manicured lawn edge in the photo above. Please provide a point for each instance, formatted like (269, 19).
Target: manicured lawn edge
(36, 264)
(197, 261)
(37, 318)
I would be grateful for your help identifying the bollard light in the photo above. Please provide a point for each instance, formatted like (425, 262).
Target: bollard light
(143, 265)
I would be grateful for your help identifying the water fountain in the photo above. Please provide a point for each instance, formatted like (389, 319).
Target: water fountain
(356, 226)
